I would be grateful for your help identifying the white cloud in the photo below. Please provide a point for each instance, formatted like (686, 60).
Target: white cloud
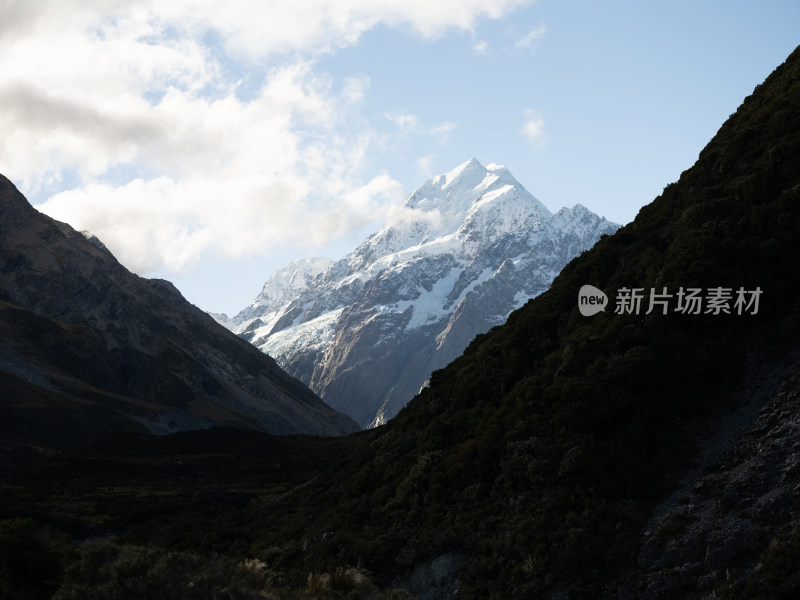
(92, 89)
(532, 37)
(405, 122)
(533, 127)
(442, 132)
(240, 176)
(370, 202)
(252, 28)
(410, 124)
(481, 47)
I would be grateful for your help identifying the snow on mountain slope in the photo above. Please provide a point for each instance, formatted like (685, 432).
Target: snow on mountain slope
(283, 286)
(286, 283)
(366, 331)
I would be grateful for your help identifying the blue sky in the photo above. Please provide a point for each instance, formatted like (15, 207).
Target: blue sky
(212, 142)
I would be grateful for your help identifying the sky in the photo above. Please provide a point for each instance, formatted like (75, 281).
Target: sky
(210, 142)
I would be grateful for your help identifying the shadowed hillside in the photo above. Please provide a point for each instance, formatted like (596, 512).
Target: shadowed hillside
(90, 348)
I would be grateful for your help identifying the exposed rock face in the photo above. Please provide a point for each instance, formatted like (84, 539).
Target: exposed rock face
(706, 538)
(89, 347)
(367, 331)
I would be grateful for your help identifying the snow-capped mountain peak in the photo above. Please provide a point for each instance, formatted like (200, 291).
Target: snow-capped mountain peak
(366, 331)
(283, 286)
(292, 279)
(471, 202)
(470, 189)
(467, 175)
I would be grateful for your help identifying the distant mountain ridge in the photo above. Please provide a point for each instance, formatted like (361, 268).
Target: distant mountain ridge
(89, 347)
(365, 332)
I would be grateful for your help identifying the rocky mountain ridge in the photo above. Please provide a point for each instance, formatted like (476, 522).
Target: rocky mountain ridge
(90, 347)
(365, 332)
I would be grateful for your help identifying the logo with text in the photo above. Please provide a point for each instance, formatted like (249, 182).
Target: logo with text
(591, 300)
(685, 301)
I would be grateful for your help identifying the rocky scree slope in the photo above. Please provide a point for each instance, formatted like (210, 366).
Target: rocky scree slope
(365, 332)
(89, 347)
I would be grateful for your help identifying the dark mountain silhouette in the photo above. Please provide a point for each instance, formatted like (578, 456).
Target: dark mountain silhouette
(90, 348)
(635, 455)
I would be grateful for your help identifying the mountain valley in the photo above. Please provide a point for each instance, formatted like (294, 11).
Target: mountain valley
(632, 454)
